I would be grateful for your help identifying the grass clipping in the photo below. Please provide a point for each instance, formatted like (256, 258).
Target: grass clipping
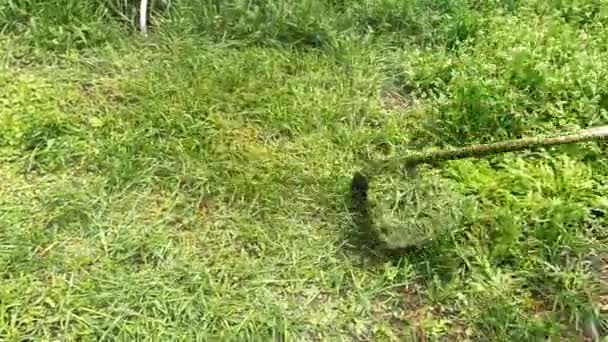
(414, 211)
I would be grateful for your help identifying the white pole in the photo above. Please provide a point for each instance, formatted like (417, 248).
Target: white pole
(143, 16)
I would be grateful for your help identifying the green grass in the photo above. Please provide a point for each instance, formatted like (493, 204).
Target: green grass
(194, 184)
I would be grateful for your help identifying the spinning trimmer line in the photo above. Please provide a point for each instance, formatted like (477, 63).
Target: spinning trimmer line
(426, 206)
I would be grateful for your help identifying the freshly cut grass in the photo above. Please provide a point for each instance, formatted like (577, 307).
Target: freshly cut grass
(195, 184)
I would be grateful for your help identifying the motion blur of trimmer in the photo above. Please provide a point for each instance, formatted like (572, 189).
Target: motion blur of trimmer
(425, 207)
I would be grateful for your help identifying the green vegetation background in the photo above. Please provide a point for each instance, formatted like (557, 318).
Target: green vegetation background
(193, 184)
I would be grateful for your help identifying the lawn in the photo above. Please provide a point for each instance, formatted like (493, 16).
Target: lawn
(194, 184)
